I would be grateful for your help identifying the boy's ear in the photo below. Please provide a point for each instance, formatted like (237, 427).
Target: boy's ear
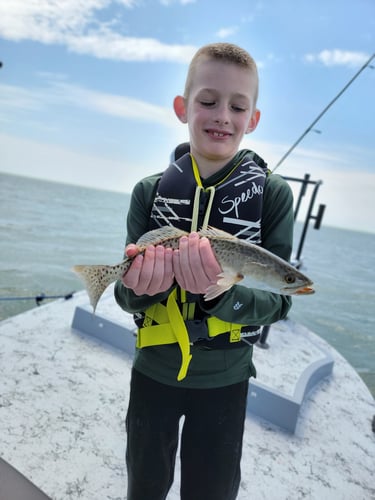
(253, 121)
(180, 108)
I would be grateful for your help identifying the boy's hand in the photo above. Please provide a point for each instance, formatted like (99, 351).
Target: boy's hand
(150, 273)
(194, 264)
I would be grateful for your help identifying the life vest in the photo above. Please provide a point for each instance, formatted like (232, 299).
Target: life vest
(235, 205)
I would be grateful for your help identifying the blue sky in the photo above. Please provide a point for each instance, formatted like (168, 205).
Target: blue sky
(86, 89)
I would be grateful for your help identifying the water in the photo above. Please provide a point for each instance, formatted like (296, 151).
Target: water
(342, 265)
(46, 228)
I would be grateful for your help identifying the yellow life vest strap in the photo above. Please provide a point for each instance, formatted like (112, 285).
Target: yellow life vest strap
(217, 326)
(171, 329)
(181, 334)
(198, 189)
(164, 334)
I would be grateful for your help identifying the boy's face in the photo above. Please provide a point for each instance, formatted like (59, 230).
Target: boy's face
(219, 110)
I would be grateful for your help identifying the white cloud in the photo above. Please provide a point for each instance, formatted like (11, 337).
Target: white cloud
(59, 93)
(47, 21)
(127, 3)
(107, 44)
(117, 105)
(13, 98)
(73, 23)
(182, 2)
(227, 32)
(338, 57)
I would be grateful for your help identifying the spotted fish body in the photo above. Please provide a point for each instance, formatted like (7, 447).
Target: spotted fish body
(239, 260)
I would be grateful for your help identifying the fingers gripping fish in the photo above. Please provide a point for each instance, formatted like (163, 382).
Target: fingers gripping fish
(239, 260)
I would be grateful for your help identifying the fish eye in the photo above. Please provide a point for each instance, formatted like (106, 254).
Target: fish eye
(290, 278)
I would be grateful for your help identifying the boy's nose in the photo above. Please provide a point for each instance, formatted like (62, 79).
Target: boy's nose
(221, 121)
(222, 116)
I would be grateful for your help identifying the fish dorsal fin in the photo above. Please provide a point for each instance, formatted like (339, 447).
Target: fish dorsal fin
(213, 232)
(159, 235)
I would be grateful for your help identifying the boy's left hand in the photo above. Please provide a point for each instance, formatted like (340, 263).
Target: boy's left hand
(194, 264)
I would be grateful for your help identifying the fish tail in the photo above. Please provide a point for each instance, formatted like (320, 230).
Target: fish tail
(96, 279)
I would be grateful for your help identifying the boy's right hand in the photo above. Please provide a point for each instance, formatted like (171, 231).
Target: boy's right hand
(150, 273)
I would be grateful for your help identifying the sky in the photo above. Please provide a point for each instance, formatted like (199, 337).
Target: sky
(86, 89)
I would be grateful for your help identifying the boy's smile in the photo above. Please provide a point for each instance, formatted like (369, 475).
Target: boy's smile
(219, 110)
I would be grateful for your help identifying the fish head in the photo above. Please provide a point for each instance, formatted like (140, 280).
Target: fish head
(296, 283)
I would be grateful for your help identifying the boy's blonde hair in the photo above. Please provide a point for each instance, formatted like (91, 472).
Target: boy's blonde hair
(227, 53)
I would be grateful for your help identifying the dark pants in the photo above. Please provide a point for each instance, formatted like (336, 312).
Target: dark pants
(211, 440)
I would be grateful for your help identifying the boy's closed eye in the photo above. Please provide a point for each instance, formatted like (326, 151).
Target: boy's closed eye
(238, 109)
(234, 107)
(208, 104)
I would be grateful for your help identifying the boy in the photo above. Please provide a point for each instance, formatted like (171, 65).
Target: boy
(217, 185)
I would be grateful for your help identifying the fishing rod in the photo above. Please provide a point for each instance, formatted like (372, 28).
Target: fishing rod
(323, 112)
(39, 298)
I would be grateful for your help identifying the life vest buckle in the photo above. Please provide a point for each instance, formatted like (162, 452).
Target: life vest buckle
(197, 329)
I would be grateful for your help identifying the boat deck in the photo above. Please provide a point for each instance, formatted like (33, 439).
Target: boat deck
(64, 393)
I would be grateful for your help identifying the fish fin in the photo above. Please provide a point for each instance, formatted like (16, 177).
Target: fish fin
(96, 279)
(157, 236)
(213, 232)
(226, 280)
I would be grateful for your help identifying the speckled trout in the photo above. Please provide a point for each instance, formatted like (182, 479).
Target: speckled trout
(239, 260)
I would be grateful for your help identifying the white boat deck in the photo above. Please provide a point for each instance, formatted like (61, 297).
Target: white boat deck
(63, 400)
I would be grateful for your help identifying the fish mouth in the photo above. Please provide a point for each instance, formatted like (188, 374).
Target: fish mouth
(304, 290)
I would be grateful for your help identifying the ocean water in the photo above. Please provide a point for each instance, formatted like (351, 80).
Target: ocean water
(46, 228)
